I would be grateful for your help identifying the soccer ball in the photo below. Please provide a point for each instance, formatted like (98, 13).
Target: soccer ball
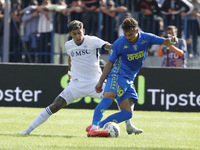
(112, 128)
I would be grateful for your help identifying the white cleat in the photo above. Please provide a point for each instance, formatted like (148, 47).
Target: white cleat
(132, 129)
(25, 132)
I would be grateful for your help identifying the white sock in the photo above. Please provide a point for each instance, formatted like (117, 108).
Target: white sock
(128, 122)
(41, 118)
(94, 127)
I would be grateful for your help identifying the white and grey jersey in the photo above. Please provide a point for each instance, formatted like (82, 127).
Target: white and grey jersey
(85, 58)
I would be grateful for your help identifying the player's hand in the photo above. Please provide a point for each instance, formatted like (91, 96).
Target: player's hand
(173, 40)
(98, 87)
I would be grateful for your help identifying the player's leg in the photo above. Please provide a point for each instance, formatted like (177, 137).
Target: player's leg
(112, 91)
(63, 99)
(58, 103)
(123, 115)
(117, 117)
(130, 128)
(101, 108)
(98, 114)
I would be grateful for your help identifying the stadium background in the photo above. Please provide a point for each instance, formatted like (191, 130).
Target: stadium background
(159, 89)
(36, 85)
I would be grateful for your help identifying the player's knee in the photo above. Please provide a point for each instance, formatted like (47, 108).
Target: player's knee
(110, 95)
(57, 104)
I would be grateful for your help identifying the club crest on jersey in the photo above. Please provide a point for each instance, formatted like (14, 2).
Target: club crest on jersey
(72, 53)
(125, 46)
(135, 47)
(85, 46)
(143, 42)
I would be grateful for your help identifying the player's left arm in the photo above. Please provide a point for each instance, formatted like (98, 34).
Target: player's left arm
(107, 46)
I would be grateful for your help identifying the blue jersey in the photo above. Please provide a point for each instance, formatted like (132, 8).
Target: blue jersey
(128, 58)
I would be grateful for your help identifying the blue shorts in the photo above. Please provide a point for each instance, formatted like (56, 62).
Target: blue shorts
(122, 87)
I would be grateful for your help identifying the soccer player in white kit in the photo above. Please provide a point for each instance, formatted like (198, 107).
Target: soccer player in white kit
(84, 70)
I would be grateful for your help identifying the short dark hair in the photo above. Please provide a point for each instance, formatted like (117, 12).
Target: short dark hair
(75, 24)
(171, 27)
(129, 24)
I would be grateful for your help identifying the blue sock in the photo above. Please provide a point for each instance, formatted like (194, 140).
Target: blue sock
(100, 109)
(117, 117)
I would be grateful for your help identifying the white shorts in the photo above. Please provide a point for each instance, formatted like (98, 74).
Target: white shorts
(78, 89)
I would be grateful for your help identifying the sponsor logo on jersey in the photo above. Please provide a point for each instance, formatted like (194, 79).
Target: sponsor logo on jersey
(138, 55)
(135, 47)
(80, 52)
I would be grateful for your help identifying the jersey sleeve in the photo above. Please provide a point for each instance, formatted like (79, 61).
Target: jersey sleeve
(67, 47)
(155, 40)
(98, 42)
(114, 53)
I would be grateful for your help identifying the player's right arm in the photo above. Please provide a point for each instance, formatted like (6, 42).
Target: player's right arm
(69, 67)
(104, 75)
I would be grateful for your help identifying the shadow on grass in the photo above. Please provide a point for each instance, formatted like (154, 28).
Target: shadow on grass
(36, 135)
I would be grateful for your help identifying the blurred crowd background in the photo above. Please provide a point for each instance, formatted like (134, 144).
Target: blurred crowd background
(34, 31)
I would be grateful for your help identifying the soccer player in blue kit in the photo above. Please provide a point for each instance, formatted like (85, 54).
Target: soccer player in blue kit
(126, 58)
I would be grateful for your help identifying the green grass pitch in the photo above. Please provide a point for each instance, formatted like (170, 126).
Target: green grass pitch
(66, 130)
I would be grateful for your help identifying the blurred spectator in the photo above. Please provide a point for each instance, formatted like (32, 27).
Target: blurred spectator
(181, 7)
(2, 6)
(45, 26)
(174, 10)
(175, 55)
(120, 31)
(15, 36)
(90, 5)
(129, 4)
(75, 10)
(30, 20)
(61, 33)
(193, 29)
(110, 30)
(151, 19)
(90, 16)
